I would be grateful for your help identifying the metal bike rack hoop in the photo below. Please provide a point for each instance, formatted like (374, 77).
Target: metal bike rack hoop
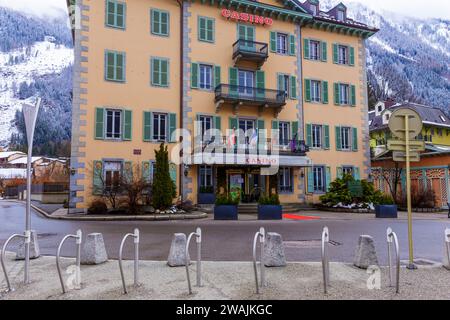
(27, 238)
(136, 238)
(261, 235)
(325, 259)
(392, 239)
(198, 235)
(78, 237)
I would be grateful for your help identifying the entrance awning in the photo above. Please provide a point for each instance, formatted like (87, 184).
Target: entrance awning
(249, 160)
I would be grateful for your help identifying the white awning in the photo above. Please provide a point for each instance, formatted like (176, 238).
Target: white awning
(248, 160)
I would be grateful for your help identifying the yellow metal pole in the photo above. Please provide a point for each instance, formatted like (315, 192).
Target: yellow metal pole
(408, 196)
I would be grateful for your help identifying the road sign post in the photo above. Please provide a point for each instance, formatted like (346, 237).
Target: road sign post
(406, 124)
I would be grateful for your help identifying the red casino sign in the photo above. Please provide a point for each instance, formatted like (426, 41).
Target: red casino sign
(247, 17)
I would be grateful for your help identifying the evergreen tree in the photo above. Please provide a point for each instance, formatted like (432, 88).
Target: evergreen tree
(164, 190)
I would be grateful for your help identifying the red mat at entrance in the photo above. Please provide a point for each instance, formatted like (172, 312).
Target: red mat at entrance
(297, 217)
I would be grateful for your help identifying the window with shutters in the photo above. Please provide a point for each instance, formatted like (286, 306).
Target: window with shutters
(160, 72)
(343, 54)
(205, 29)
(160, 127)
(316, 134)
(282, 43)
(115, 14)
(285, 180)
(284, 133)
(206, 72)
(348, 170)
(114, 66)
(206, 124)
(111, 174)
(346, 138)
(160, 21)
(113, 124)
(316, 91)
(319, 179)
(314, 50)
(246, 82)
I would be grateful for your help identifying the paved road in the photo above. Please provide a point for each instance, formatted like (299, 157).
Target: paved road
(231, 240)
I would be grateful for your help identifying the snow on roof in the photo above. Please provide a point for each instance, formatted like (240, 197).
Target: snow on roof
(12, 173)
(23, 160)
(7, 154)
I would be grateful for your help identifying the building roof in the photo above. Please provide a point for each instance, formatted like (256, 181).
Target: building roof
(7, 154)
(13, 173)
(23, 160)
(430, 115)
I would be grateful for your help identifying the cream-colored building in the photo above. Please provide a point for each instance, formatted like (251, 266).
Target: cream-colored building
(272, 76)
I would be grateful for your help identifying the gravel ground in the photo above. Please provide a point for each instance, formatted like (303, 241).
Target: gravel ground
(223, 281)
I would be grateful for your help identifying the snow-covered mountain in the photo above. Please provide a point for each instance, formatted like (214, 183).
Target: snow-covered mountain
(409, 58)
(31, 50)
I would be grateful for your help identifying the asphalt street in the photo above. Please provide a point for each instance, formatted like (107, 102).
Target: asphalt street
(232, 240)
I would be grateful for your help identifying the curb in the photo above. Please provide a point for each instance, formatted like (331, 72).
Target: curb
(173, 217)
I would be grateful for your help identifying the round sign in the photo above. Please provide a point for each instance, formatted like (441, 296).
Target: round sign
(397, 123)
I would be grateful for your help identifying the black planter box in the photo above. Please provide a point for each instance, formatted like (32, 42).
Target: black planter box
(206, 198)
(386, 212)
(270, 212)
(226, 212)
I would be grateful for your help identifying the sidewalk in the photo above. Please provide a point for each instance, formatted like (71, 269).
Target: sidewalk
(222, 281)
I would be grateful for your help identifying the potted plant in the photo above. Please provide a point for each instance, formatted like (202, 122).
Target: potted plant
(206, 195)
(269, 208)
(226, 207)
(386, 208)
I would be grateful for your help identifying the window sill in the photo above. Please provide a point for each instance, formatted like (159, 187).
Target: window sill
(115, 27)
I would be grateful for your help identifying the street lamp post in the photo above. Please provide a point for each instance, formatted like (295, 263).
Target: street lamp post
(30, 115)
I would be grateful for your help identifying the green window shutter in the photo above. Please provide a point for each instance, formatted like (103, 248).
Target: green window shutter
(307, 90)
(155, 70)
(242, 32)
(97, 178)
(120, 67)
(148, 117)
(335, 53)
(120, 16)
(260, 124)
(233, 123)
(156, 21)
(165, 19)
(173, 172)
(127, 124)
(328, 178)
(309, 135)
(261, 133)
(337, 98)
(201, 29)
(273, 41)
(110, 13)
(128, 171)
(233, 81)
(291, 45)
(114, 66)
(146, 171)
(99, 123)
(356, 174)
(275, 125)
(160, 22)
(164, 82)
(217, 123)
(353, 96)
(280, 82)
(194, 75)
(339, 173)
(110, 59)
(293, 87)
(338, 139)
(294, 128)
(326, 135)
(250, 33)
(115, 14)
(260, 79)
(306, 49)
(324, 92)
(355, 139)
(172, 126)
(217, 77)
(210, 30)
(310, 180)
(352, 56)
(324, 51)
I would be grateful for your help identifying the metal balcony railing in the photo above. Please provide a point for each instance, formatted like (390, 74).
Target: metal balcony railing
(250, 51)
(250, 95)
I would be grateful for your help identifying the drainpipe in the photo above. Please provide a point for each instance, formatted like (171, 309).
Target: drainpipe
(181, 167)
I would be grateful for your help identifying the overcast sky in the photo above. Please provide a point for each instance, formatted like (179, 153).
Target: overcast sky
(417, 8)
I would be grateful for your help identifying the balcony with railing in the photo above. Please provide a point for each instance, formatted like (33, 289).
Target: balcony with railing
(240, 95)
(245, 50)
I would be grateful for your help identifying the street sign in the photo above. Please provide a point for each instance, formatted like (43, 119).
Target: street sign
(399, 156)
(397, 123)
(400, 145)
